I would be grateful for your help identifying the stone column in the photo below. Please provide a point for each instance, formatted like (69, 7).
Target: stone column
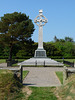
(40, 20)
(40, 41)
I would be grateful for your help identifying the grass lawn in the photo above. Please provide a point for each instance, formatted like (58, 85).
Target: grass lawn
(61, 60)
(20, 60)
(42, 93)
(60, 76)
(70, 60)
(25, 73)
(2, 61)
(15, 65)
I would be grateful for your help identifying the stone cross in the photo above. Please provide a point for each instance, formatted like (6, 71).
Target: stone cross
(40, 20)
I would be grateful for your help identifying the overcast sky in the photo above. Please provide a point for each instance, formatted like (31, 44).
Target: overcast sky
(60, 15)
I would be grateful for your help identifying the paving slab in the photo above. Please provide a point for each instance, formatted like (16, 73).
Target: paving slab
(42, 76)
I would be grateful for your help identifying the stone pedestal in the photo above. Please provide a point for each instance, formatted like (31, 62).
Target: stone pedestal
(40, 53)
(40, 20)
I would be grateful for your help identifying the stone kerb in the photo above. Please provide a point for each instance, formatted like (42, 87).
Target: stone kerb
(74, 64)
(67, 73)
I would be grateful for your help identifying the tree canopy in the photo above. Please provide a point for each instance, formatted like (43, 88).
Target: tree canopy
(67, 39)
(15, 28)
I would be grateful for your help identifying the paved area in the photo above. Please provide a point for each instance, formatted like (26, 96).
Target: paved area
(39, 76)
(42, 76)
(41, 61)
(3, 65)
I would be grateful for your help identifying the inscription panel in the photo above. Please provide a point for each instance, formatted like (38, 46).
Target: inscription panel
(40, 54)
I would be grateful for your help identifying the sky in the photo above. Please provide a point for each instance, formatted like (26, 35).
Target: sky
(60, 15)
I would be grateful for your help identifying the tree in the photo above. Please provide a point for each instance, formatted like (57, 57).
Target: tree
(51, 49)
(67, 48)
(15, 28)
(62, 40)
(26, 50)
(56, 39)
(1, 50)
(68, 39)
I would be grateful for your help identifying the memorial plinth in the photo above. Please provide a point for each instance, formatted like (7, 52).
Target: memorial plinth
(40, 20)
(40, 53)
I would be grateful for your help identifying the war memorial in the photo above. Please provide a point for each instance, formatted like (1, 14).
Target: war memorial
(40, 57)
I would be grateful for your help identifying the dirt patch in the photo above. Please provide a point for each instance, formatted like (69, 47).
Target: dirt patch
(56, 92)
(69, 98)
(27, 91)
(72, 90)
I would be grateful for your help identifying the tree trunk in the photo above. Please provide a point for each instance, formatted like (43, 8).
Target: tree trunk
(9, 61)
(10, 54)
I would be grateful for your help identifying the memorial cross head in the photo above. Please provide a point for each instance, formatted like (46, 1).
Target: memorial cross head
(40, 20)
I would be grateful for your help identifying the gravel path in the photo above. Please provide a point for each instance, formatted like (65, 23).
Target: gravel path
(42, 76)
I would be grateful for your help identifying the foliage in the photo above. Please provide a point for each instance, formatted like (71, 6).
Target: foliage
(15, 28)
(51, 49)
(67, 49)
(64, 48)
(1, 49)
(67, 46)
(66, 39)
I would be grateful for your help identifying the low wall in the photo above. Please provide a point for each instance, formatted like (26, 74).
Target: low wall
(18, 74)
(69, 63)
(67, 73)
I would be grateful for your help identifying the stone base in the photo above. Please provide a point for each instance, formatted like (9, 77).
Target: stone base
(40, 53)
(40, 61)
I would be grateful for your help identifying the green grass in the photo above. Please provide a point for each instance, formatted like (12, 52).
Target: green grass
(3, 71)
(67, 91)
(42, 93)
(10, 88)
(2, 60)
(20, 60)
(25, 74)
(61, 60)
(60, 76)
(15, 65)
(70, 60)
